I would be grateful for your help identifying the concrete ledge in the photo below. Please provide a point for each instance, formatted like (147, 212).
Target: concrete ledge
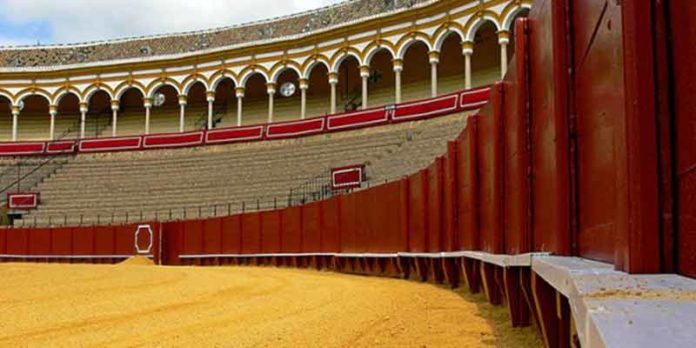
(504, 260)
(615, 309)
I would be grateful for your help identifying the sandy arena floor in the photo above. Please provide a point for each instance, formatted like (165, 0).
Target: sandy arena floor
(136, 305)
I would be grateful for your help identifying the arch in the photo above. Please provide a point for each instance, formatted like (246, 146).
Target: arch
(6, 94)
(375, 47)
(31, 91)
(312, 63)
(62, 92)
(341, 55)
(126, 85)
(283, 66)
(250, 71)
(218, 77)
(93, 89)
(408, 40)
(159, 83)
(511, 12)
(191, 80)
(444, 31)
(479, 19)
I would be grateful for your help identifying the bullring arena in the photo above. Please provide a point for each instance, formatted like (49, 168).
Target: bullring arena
(421, 173)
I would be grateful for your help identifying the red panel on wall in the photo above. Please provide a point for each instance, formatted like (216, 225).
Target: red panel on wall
(347, 213)
(104, 240)
(110, 144)
(418, 212)
(435, 205)
(17, 241)
(295, 128)
(16, 149)
(39, 241)
(65, 146)
(330, 229)
(83, 241)
(426, 108)
(390, 218)
(516, 158)
(490, 172)
(467, 194)
(125, 239)
(364, 209)
(550, 143)
(193, 237)
(271, 232)
(599, 105)
(449, 199)
(682, 14)
(357, 119)
(212, 236)
(311, 227)
(292, 230)
(231, 234)
(61, 241)
(173, 140)
(251, 233)
(229, 135)
(3, 240)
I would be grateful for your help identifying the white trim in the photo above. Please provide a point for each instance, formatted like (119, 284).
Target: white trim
(15, 256)
(520, 260)
(347, 170)
(311, 131)
(33, 196)
(147, 251)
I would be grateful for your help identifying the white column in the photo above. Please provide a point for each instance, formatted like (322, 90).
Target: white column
(503, 40)
(270, 89)
(114, 117)
(333, 81)
(364, 75)
(240, 97)
(182, 112)
(398, 68)
(468, 51)
(304, 85)
(148, 106)
(84, 107)
(211, 99)
(53, 111)
(434, 60)
(15, 116)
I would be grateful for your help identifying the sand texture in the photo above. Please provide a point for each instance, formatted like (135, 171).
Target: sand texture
(132, 305)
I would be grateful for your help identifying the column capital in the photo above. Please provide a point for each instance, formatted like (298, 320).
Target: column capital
(434, 57)
(467, 48)
(239, 92)
(304, 83)
(364, 71)
(53, 110)
(503, 37)
(333, 78)
(115, 104)
(398, 65)
(210, 96)
(147, 102)
(15, 110)
(84, 107)
(183, 99)
(270, 87)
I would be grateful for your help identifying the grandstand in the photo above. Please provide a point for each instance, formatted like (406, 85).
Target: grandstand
(537, 152)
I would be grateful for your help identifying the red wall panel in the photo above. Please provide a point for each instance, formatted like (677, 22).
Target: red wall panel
(418, 211)
(330, 228)
(347, 223)
(231, 234)
(467, 194)
(125, 239)
(292, 229)
(550, 141)
(3, 240)
(251, 233)
(683, 30)
(490, 168)
(517, 200)
(83, 241)
(390, 218)
(271, 232)
(311, 227)
(103, 240)
(193, 237)
(450, 222)
(39, 241)
(212, 236)
(364, 209)
(435, 205)
(61, 241)
(599, 105)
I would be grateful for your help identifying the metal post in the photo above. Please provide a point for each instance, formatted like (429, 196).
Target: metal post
(126, 217)
(243, 207)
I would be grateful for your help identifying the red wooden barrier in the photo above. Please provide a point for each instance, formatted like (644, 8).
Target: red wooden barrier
(212, 236)
(435, 205)
(292, 229)
(418, 212)
(251, 233)
(450, 188)
(468, 186)
(516, 169)
(39, 241)
(104, 240)
(490, 165)
(311, 228)
(363, 217)
(193, 237)
(83, 241)
(330, 225)
(390, 216)
(271, 232)
(346, 213)
(232, 234)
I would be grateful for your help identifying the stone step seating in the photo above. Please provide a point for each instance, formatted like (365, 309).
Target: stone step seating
(39, 167)
(95, 187)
